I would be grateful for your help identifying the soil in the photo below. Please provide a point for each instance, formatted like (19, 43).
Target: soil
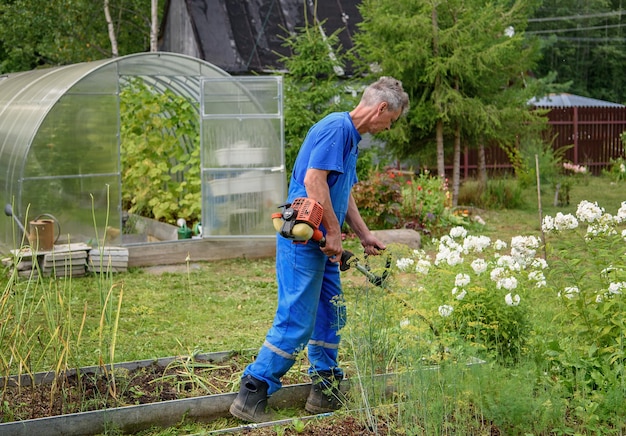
(153, 383)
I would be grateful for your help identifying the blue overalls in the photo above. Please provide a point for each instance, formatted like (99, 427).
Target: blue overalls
(310, 309)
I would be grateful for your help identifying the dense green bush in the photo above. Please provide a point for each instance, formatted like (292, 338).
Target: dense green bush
(160, 154)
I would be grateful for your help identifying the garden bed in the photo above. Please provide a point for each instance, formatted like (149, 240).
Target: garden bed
(134, 396)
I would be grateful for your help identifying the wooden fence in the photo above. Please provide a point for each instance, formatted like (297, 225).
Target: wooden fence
(593, 132)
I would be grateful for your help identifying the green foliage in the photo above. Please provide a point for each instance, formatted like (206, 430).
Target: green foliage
(313, 86)
(160, 143)
(36, 33)
(617, 170)
(469, 73)
(539, 154)
(502, 193)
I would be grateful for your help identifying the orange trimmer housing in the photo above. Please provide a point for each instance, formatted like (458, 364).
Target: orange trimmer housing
(300, 220)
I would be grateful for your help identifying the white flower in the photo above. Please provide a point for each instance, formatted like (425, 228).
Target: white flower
(423, 266)
(508, 262)
(524, 248)
(479, 266)
(565, 222)
(496, 274)
(476, 244)
(604, 225)
(547, 224)
(624, 235)
(404, 263)
(454, 258)
(499, 245)
(621, 213)
(461, 280)
(570, 292)
(608, 270)
(508, 283)
(616, 288)
(404, 323)
(589, 212)
(461, 295)
(622, 168)
(599, 298)
(458, 232)
(539, 262)
(512, 300)
(446, 310)
(538, 278)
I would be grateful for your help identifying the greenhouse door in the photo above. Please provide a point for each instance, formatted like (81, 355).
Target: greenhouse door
(243, 159)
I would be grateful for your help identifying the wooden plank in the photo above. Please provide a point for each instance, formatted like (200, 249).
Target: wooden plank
(176, 252)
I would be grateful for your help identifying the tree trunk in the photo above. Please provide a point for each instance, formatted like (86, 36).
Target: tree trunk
(482, 166)
(456, 166)
(154, 26)
(112, 37)
(441, 169)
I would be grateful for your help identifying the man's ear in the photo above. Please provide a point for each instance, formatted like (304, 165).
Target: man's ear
(382, 107)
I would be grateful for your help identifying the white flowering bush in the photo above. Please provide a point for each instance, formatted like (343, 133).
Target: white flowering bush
(476, 290)
(588, 275)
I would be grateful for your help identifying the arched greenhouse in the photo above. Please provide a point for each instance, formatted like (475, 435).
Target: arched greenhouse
(60, 146)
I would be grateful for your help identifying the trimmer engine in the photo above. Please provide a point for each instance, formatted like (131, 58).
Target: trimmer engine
(300, 221)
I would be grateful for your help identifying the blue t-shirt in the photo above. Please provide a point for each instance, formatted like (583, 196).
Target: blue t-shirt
(332, 145)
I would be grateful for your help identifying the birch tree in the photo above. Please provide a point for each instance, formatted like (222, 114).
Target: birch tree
(111, 30)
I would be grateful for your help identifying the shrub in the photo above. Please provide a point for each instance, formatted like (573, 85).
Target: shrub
(588, 275)
(474, 290)
(617, 170)
(160, 153)
(380, 200)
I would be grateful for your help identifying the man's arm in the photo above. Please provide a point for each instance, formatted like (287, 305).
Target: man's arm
(370, 243)
(316, 184)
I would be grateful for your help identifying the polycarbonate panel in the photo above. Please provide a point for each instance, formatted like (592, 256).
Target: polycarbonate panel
(242, 146)
(77, 138)
(240, 202)
(246, 96)
(237, 143)
(75, 202)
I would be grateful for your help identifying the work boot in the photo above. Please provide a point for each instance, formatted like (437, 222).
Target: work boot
(325, 395)
(251, 401)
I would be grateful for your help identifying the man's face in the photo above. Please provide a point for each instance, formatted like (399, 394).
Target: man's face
(384, 118)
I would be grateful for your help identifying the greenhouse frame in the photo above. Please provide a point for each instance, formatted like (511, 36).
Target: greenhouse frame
(60, 147)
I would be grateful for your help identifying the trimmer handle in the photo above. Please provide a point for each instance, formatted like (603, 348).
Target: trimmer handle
(347, 258)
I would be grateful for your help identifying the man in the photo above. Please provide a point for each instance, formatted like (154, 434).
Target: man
(310, 310)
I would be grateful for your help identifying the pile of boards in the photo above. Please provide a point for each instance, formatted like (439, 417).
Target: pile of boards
(67, 260)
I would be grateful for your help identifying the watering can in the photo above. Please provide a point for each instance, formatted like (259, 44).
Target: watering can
(41, 229)
(41, 232)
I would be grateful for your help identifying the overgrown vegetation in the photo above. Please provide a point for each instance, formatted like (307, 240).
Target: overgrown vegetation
(529, 349)
(160, 154)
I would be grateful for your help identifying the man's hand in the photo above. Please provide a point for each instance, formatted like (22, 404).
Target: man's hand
(333, 247)
(372, 245)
